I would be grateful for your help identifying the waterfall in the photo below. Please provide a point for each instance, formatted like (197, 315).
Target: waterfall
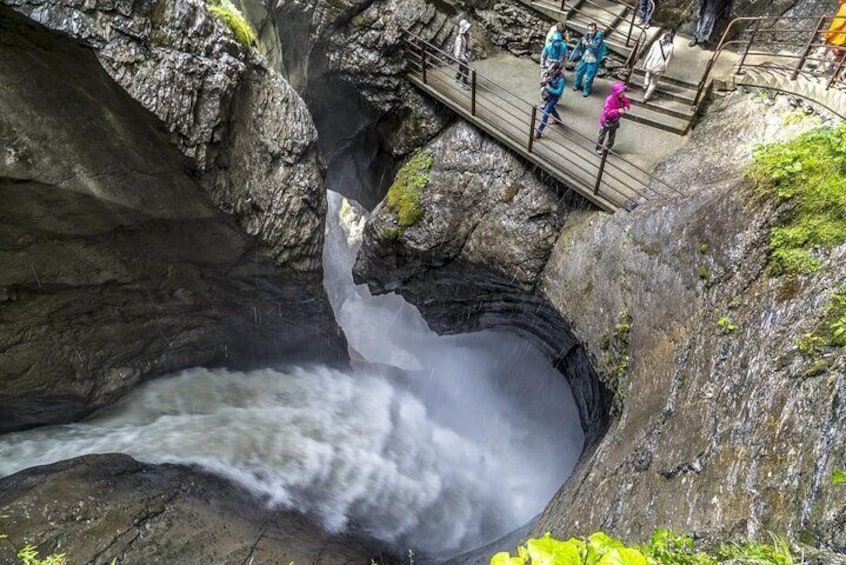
(438, 444)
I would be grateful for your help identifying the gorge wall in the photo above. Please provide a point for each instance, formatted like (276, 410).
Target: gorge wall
(118, 263)
(722, 434)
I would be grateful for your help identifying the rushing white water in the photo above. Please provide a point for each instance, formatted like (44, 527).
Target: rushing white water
(463, 439)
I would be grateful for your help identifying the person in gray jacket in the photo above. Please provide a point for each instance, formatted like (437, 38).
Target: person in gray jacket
(462, 54)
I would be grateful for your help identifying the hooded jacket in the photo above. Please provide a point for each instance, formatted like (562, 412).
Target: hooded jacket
(553, 53)
(613, 104)
(659, 56)
(462, 42)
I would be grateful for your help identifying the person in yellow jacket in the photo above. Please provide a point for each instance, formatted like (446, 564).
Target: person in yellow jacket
(835, 37)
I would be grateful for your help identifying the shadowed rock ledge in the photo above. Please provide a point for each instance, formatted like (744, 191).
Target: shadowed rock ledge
(116, 264)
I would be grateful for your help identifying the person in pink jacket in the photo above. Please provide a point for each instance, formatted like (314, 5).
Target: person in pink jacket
(615, 105)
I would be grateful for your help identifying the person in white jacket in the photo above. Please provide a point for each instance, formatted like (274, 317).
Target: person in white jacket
(462, 54)
(656, 61)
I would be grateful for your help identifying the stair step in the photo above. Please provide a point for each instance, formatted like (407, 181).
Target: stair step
(651, 117)
(681, 84)
(662, 103)
(667, 89)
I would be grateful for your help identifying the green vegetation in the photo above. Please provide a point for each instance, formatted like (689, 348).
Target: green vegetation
(404, 195)
(838, 477)
(664, 548)
(830, 331)
(703, 248)
(805, 174)
(703, 274)
(726, 326)
(229, 14)
(28, 554)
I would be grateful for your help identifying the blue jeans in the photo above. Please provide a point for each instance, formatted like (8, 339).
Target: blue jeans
(547, 110)
(586, 71)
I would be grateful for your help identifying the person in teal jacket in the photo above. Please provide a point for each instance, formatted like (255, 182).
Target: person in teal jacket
(589, 52)
(554, 88)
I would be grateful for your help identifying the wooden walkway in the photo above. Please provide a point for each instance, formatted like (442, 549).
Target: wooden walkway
(610, 181)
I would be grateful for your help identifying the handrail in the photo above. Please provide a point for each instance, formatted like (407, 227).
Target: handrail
(771, 40)
(426, 58)
(577, 8)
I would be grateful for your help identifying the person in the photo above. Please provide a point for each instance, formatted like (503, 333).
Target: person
(710, 13)
(589, 51)
(553, 53)
(615, 106)
(556, 31)
(554, 87)
(835, 37)
(656, 61)
(462, 54)
(645, 9)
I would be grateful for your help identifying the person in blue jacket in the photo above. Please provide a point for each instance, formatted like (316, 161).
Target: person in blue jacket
(554, 88)
(553, 53)
(589, 52)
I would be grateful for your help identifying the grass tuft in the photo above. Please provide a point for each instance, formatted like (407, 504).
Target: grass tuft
(806, 174)
(229, 14)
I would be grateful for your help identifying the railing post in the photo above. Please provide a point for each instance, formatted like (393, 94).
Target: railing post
(836, 71)
(423, 61)
(748, 46)
(562, 5)
(601, 169)
(473, 92)
(532, 127)
(807, 48)
(631, 25)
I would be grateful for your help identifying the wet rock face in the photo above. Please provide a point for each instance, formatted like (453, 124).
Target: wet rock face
(116, 264)
(246, 131)
(721, 433)
(717, 433)
(138, 513)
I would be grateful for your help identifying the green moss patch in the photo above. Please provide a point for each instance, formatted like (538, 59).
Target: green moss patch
(808, 175)
(229, 14)
(404, 195)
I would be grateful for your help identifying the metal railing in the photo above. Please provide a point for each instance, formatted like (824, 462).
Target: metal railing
(577, 7)
(781, 45)
(571, 155)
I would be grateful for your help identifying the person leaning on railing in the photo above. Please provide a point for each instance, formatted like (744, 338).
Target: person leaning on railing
(462, 54)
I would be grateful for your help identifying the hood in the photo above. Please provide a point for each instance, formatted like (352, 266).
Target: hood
(463, 26)
(618, 89)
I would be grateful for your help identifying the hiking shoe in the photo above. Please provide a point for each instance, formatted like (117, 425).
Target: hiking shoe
(692, 43)
(575, 88)
(464, 86)
(585, 94)
(537, 135)
(599, 151)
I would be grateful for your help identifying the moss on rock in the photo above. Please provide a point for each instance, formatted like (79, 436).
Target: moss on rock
(404, 195)
(239, 25)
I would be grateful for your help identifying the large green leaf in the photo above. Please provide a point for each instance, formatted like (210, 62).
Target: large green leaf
(622, 556)
(548, 551)
(504, 558)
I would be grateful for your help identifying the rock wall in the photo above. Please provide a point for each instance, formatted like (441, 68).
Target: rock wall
(138, 513)
(719, 434)
(116, 264)
(247, 133)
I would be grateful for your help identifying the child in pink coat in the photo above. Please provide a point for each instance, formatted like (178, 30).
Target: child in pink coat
(609, 121)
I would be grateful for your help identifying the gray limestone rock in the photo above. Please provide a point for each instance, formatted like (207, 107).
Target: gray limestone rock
(116, 265)
(246, 131)
(103, 507)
